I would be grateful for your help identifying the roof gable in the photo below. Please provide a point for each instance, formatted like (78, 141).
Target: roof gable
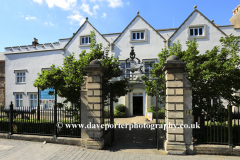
(86, 21)
(132, 23)
(195, 10)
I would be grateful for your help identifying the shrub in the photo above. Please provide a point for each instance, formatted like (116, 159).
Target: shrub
(161, 112)
(120, 108)
(117, 113)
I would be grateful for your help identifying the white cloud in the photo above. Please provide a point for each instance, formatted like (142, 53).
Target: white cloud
(85, 8)
(30, 18)
(49, 23)
(76, 17)
(104, 15)
(95, 8)
(64, 4)
(128, 3)
(38, 1)
(114, 3)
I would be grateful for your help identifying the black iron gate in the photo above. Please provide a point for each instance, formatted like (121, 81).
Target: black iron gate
(108, 116)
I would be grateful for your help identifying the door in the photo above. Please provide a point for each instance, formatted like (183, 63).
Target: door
(138, 105)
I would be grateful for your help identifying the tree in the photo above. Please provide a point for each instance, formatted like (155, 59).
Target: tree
(68, 78)
(214, 74)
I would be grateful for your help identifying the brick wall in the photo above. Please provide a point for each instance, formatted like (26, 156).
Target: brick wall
(2, 82)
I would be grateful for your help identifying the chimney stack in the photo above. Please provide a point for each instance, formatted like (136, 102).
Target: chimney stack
(235, 20)
(35, 42)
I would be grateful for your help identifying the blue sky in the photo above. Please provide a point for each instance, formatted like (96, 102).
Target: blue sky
(50, 20)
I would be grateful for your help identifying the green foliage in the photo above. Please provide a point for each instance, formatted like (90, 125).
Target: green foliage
(214, 74)
(68, 78)
(161, 112)
(120, 107)
(117, 113)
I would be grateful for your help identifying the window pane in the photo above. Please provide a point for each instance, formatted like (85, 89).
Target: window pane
(20, 79)
(200, 31)
(23, 79)
(191, 32)
(134, 35)
(17, 96)
(20, 96)
(17, 74)
(82, 40)
(17, 105)
(86, 39)
(21, 103)
(17, 79)
(89, 39)
(138, 35)
(35, 103)
(128, 73)
(31, 103)
(20, 73)
(23, 73)
(35, 96)
(122, 65)
(128, 65)
(31, 96)
(196, 31)
(142, 35)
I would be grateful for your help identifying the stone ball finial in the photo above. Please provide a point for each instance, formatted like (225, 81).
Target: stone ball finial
(95, 62)
(172, 58)
(195, 7)
(87, 18)
(137, 12)
(212, 20)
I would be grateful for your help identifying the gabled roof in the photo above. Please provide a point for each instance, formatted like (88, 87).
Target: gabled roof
(195, 10)
(132, 22)
(86, 21)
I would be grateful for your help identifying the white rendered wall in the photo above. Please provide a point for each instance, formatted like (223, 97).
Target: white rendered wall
(143, 50)
(111, 37)
(230, 30)
(213, 34)
(73, 46)
(167, 33)
(33, 63)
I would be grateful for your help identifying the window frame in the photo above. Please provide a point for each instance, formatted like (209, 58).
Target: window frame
(144, 62)
(144, 31)
(18, 99)
(126, 72)
(204, 32)
(16, 76)
(84, 44)
(33, 99)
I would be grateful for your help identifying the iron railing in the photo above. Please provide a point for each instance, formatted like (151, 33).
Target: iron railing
(40, 121)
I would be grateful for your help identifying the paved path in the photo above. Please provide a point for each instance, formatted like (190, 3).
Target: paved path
(26, 150)
(135, 119)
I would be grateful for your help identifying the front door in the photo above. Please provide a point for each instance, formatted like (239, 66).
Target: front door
(138, 105)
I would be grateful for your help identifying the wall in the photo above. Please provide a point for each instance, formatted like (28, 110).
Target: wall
(143, 50)
(2, 82)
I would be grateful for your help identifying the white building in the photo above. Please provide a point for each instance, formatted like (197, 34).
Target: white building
(24, 62)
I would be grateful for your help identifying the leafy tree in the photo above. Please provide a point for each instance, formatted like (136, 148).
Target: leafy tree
(68, 78)
(214, 74)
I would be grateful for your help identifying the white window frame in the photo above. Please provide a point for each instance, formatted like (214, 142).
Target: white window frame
(81, 44)
(204, 34)
(150, 67)
(33, 99)
(22, 76)
(126, 72)
(18, 99)
(136, 40)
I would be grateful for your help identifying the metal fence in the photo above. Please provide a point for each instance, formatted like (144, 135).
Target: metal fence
(39, 121)
(217, 126)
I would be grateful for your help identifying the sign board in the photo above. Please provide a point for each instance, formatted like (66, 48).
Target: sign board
(149, 116)
(46, 100)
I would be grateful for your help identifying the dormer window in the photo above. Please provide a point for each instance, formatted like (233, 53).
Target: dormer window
(138, 35)
(85, 40)
(197, 31)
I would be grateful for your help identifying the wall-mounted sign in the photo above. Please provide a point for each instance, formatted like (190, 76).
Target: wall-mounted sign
(46, 100)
